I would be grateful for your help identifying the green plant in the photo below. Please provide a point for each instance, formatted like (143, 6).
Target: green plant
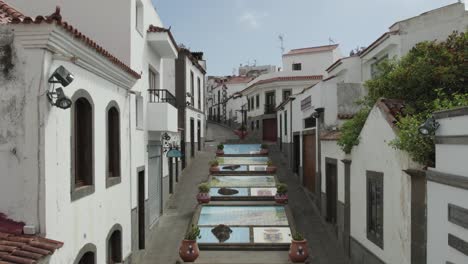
(264, 146)
(193, 233)
(281, 188)
(204, 188)
(269, 163)
(297, 236)
(351, 130)
(242, 128)
(214, 163)
(220, 146)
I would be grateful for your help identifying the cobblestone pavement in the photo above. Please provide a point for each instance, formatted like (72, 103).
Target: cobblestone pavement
(165, 237)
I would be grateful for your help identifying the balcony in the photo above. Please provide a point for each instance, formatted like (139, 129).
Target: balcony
(270, 109)
(162, 41)
(162, 111)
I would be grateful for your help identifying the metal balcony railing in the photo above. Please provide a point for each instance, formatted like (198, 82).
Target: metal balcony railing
(270, 109)
(161, 96)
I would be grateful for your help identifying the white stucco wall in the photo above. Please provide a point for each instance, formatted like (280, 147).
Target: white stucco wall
(331, 150)
(312, 63)
(450, 158)
(374, 154)
(197, 112)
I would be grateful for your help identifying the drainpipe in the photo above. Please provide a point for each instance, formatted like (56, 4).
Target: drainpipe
(318, 179)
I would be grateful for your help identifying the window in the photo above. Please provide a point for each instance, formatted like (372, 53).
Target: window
(192, 90)
(139, 17)
(199, 93)
(286, 122)
(87, 255)
(114, 247)
(257, 98)
(113, 145)
(153, 79)
(375, 207)
(297, 66)
(139, 112)
(309, 122)
(286, 94)
(258, 124)
(87, 258)
(252, 102)
(252, 125)
(82, 146)
(375, 70)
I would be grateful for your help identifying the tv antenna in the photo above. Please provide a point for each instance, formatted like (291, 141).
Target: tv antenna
(331, 41)
(281, 40)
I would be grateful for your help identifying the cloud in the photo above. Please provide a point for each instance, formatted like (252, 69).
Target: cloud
(252, 19)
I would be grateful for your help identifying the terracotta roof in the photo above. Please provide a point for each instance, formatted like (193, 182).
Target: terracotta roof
(374, 44)
(10, 15)
(155, 29)
(345, 116)
(338, 62)
(192, 58)
(329, 78)
(16, 247)
(285, 79)
(311, 50)
(393, 109)
(330, 135)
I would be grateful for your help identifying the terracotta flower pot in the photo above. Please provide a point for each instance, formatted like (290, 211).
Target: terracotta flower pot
(214, 169)
(271, 169)
(281, 198)
(219, 152)
(298, 251)
(188, 250)
(264, 152)
(203, 198)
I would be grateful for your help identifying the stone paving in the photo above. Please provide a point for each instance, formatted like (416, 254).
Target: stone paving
(165, 238)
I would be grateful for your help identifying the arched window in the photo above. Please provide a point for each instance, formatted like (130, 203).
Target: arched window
(87, 255)
(82, 146)
(114, 248)
(88, 258)
(113, 145)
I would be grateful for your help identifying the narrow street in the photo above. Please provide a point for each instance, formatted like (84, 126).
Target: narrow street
(165, 238)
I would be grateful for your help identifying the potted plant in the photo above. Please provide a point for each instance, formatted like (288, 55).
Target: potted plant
(188, 250)
(220, 150)
(281, 196)
(270, 167)
(264, 149)
(203, 195)
(298, 251)
(241, 132)
(214, 166)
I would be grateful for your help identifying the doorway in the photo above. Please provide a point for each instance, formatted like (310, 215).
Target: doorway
(270, 130)
(309, 154)
(296, 153)
(199, 134)
(141, 209)
(171, 176)
(281, 132)
(155, 189)
(192, 137)
(331, 187)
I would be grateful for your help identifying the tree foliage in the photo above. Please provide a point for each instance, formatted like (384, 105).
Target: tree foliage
(432, 76)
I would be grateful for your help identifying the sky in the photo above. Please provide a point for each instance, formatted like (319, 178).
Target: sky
(234, 32)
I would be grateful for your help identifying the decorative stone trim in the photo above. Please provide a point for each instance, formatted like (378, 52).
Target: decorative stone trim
(460, 111)
(458, 244)
(453, 140)
(85, 249)
(448, 179)
(458, 215)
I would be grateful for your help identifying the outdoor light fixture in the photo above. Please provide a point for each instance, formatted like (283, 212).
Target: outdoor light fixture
(62, 76)
(59, 99)
(429, 127)
(318, 112)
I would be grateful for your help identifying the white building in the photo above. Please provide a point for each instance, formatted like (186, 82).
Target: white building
(447, 190)
(149, 50)
(190, 94)
(255, 71)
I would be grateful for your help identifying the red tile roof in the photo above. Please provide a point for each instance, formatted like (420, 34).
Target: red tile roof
(345, 116)
(312, 50)
(285, 79)
(10, 15)
(330, 135)
(393, 109)
(155, 29)
(16, 247)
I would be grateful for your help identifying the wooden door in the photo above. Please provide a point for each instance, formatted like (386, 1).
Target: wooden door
(269, 129)
(297, 153)
(309, 152)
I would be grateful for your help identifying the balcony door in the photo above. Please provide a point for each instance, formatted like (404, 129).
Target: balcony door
(270, 102)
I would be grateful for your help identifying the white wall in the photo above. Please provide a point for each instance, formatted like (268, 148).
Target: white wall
(331, 150)
(450, 158)
(373, 153)
(312, 63)
(190, 113)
